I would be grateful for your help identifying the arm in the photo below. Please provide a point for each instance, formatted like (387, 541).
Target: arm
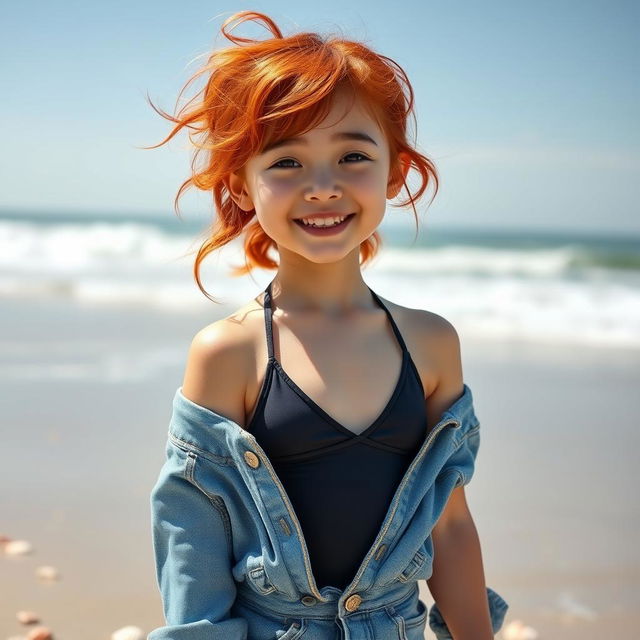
(457, 583)
(192, 555)
(191, 531)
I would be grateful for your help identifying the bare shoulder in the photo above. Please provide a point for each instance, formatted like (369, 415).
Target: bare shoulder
(218, 364)
(430, 332)
(431, 326)
(437, 335)
(436, 345)
(437, 341)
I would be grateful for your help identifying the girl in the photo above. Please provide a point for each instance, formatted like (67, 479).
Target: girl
(322, 436)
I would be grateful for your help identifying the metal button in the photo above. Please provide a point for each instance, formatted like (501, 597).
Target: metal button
(251, 459)
(308, 600)
(352, 602)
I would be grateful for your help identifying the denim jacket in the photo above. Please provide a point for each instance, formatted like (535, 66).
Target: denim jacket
(232, 562)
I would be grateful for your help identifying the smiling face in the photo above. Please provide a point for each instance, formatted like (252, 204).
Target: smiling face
(341, 166)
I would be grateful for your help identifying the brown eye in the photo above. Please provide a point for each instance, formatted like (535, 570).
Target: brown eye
(349, 155)
(278, 165)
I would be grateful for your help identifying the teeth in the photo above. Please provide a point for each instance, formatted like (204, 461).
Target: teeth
(323, 222)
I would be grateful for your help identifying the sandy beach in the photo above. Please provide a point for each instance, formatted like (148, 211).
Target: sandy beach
(86, 403)
(514, 129)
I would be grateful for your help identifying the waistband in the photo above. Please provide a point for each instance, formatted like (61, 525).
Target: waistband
(307, 606)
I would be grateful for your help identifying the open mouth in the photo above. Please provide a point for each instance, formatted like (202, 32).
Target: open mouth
(325, 230)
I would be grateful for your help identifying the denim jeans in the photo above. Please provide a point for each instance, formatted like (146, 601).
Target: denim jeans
(231, 559)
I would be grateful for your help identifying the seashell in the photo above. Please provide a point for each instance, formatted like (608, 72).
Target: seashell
(17, 547)
(128, 633)
(517, 630)
(4, 539)
(27, 617)
(47, 572)
(40, 633)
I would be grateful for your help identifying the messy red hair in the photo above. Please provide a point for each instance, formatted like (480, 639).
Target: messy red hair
(270, 89)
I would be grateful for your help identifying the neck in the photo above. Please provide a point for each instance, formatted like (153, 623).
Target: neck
(322, 288)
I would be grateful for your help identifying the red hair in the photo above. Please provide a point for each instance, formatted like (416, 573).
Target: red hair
(270, 89)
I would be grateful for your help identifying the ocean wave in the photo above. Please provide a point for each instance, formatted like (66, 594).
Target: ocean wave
(569, 293)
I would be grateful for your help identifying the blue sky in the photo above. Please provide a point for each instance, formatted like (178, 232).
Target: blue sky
(530, 110)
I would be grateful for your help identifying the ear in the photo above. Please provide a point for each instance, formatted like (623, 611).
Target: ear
(398, 174)
(238, 191)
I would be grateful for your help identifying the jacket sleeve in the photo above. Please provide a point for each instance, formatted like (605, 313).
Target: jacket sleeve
(192, 555)
(497, 610)
(463, 458)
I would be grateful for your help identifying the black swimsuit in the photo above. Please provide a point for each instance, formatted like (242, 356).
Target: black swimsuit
(340, 483)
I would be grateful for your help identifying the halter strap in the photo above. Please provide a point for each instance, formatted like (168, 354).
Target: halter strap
(268, 320)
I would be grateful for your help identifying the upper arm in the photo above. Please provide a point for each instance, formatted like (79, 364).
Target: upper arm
(442, 344)
(217, 369)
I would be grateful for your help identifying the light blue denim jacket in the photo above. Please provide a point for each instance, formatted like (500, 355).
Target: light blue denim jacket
(231, 559)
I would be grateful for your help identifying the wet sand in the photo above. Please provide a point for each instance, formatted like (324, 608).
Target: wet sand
(86, 402)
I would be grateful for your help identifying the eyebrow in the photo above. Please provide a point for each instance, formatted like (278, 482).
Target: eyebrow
(343, 135)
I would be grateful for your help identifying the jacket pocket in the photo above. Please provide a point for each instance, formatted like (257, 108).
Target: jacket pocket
(295, 631)
(410, 623)
(257, 576)
(413, 567)
(418, 568)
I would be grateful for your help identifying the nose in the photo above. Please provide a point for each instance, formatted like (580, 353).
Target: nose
(323, 187)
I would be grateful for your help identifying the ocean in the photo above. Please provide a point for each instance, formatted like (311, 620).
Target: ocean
(533, 286)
